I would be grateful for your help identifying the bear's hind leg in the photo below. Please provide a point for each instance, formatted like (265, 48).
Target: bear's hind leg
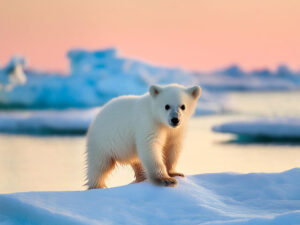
(97, 180)
(139, 172)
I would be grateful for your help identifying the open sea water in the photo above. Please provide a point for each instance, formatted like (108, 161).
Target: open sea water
(55, 163)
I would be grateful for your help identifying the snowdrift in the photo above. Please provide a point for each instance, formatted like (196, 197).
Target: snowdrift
(222, 198)
(276, 128)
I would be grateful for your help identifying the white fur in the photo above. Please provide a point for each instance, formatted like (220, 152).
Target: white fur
(137, 130)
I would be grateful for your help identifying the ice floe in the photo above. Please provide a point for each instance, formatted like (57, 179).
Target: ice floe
(221, 198)
(265, 127)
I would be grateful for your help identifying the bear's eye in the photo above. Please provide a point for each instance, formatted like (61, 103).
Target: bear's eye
(167, 107)
(182, 107)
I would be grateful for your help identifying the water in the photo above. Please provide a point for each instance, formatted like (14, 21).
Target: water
(29, 163)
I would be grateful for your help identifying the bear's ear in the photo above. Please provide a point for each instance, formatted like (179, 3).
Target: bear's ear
(154, 90)
(195, 91)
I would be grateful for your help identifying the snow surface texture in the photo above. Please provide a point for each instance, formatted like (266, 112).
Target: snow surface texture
(221, 198)
(270, 128)
(47, 122)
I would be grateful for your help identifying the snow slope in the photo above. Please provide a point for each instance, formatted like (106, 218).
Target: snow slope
(222, 198)
(270, 128)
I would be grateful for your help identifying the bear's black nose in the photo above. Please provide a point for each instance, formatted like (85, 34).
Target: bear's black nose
(175, 121)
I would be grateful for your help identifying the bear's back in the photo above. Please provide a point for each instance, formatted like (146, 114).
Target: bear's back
(114, 127)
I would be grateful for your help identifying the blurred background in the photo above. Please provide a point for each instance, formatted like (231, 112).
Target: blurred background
(60, 61)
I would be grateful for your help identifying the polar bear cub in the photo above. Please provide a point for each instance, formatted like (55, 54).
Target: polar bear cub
(144, 131)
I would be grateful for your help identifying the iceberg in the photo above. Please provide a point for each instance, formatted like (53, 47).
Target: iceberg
(274, 128)
(13, 74)
(220, 198)
(94, 78)
(98, 76)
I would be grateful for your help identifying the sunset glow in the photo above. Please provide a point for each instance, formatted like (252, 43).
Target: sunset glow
(194, 34)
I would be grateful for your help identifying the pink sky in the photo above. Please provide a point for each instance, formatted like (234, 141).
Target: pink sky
(194, 34)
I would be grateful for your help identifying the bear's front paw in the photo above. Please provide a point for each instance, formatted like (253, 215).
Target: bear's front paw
(165, 181)
(176, 174)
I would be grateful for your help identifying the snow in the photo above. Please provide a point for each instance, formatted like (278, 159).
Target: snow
(264, 127)
(221, 198)
(72, 121)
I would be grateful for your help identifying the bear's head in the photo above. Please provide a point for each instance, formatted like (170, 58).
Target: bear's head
(173, 104)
